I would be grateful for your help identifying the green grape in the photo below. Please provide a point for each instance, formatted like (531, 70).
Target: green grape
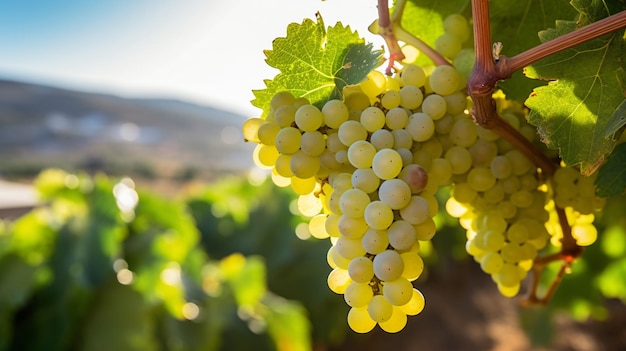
(402, 139)
(388, 265)
(309, 205)
(396, 322)
(332, 225)
(387, 164)
(283, 165)
(396, 118)
(351, 132)
(375, 241)
(361, 153)
(440, 171)
(335, 260)
(522, 198)
(309, 118)
(351, 227)
(491, 263)
(328, 159)
(435, 106)
(401, 235)
(365, 179)
(382, 139)
(416, 211)
(285, 116)
(358, 294)
(353, 203)
(267, 133)
(420, 126)
(359, 320)
(250, 129)
(493, 241)
(425, 230)
(413, 75)
(264, 156)
(492, 221)
(395, 192)
(342, 157)
(361, 270)
(391, 99)
(379, 309)
(460, 159)
(378, 215)
(456, 103)
(415, 176)
(302, 186)
(464, 62)
(279, 180)
(335, 113)
(338, 280)
(415, 305)
(413, 265)
(445, 80)
(501, 167)
(372, 118)
(317, 227)
(521, 165)
(585, 234)
(349, 248)
(464, 133)
(398, 292)
(333, 143)
(448, 45)
(509, 275)
(411, 97)
(457, 25)
(288, 140)
(280, 99)
(481, 179)
(312, 143)
(303, 165)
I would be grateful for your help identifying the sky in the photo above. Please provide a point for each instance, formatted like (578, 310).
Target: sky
(202, 51)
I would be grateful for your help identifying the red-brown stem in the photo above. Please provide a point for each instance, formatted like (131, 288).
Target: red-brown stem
(385, 30)
(586, 33)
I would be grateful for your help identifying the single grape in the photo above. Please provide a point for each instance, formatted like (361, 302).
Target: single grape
(361, 269)
(387, 164)
(309, 118)
(388, 265)
(335, 113)
(445, 80)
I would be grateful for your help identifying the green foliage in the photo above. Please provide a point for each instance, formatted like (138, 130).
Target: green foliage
(316, 63)
(572, 111)
(514, 24)
(424, 19)
(102, 266)
(611, 178)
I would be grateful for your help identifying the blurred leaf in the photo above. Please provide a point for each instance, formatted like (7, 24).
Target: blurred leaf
(611, 280)
(246, 276)
(32, 237)
(287, 324)
(120, 320)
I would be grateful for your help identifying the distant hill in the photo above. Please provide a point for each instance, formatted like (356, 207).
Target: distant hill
(43, 126)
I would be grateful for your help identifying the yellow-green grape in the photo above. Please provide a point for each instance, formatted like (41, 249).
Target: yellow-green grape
(285, 116)
(425, 230)
(391, 99)
(585, 234)
(435, 106)
(335, 113)
(456, 103)
(351, 132)
(379, 309)
(303, 186)
(358, 294)
(396, 193)
(411, 97)
(353, 203)
(349, 248)
(283, 165)
(361, 153)
(309, 118)
(448, 45)
(378, 215)
(415, 305)
(361, 269)
(309, 205)
(398, 292)
(481, 179)
(396, 322)
(352, 228)
(267, 132)
(264, 156)
(250, 129)
(464, 133)
(288, 140)
(374, 84)
(312, 143)
(396, 118)
(401, 235)
(460, 159)
(491, 263)
(457, 25)
(382, 139)
(413, 265)
(416, 211)
(365, 179)
(387, 164)
(375, 241)
(372, 118)
(303, 165)
(420, 126)
(440, 171)
(317, 227)
(413, 75)
(338, 280)
(445, 80)
(359, 320)
(388, 265)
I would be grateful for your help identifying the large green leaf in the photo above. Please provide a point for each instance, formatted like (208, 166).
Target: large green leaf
(316, 63)
(572, 111)
(515, 24)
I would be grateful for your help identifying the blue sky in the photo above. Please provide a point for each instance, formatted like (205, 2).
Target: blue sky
(203, 51)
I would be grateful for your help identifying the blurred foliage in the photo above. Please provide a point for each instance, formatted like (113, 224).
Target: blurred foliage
(100, 265)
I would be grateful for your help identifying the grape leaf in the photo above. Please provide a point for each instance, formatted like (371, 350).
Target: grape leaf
(611, 178)
(424, 19)
(572, 111)
(617, 121)
(514, 24)
(316, 63)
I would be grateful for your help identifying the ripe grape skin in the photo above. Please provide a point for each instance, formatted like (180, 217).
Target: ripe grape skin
(387, 164)
(309, 118)
(396, 193)
(388, 265)
(445, 80)
(378, 215)
(335, 113)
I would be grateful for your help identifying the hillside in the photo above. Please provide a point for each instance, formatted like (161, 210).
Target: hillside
(43, 126)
